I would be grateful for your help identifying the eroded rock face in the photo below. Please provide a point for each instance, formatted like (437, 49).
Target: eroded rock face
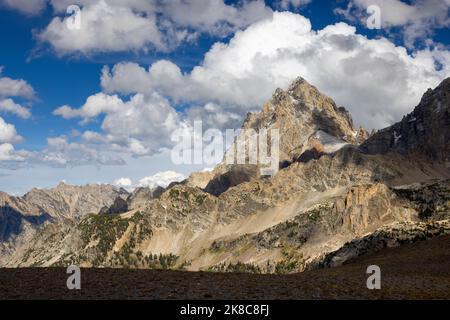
(425, 131)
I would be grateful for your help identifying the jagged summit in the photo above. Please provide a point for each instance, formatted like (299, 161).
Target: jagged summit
(299, 113)
(423, 132)
(309, 124)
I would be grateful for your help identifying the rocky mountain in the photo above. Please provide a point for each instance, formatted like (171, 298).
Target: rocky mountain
(303, 114)
(22, 217)
(68, 201)
(333, 187)
(309, 124)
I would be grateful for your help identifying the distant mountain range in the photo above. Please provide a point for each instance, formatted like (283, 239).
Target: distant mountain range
(339, 193)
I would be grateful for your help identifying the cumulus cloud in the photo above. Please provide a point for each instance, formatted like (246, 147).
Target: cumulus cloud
(139, 126)
(125, 183)
(417, 19)
(9, 106)
(15, 88)
(138, 25)
(8, 153)
(378, 81)
(214, 16)
(104, 28)
(160, 179)
(213, 115)
(60, 152)
(94, 105)
(8, 133)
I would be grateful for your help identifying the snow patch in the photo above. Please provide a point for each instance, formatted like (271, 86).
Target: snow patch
(330, 143)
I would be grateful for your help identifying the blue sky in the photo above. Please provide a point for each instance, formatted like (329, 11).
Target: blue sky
(193, 75)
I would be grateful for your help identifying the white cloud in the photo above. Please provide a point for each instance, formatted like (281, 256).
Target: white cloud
(378, 81)
(140, 126)
(15, 88)
(213, 115)
(214, 16)
(138, 25)
(9, 106)
(8, 133)
(125, 183)
(60, 152)
(94, 106)
(8, 153)
(160, 179)
(417, 20)
(104, 28)
(29, 7)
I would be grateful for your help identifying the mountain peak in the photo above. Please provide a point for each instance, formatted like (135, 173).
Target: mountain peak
(300, 112)
(299, 82)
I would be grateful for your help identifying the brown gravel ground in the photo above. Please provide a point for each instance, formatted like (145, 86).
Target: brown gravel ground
(413, 271)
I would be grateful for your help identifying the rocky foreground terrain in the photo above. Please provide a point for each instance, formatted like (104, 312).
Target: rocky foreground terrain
(411, 271)
(339, 195)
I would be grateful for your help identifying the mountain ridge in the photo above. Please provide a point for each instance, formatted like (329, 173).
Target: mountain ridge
(319, 200)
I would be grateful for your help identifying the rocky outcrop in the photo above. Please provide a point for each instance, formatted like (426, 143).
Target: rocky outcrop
(387, 236)
(430, 199)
